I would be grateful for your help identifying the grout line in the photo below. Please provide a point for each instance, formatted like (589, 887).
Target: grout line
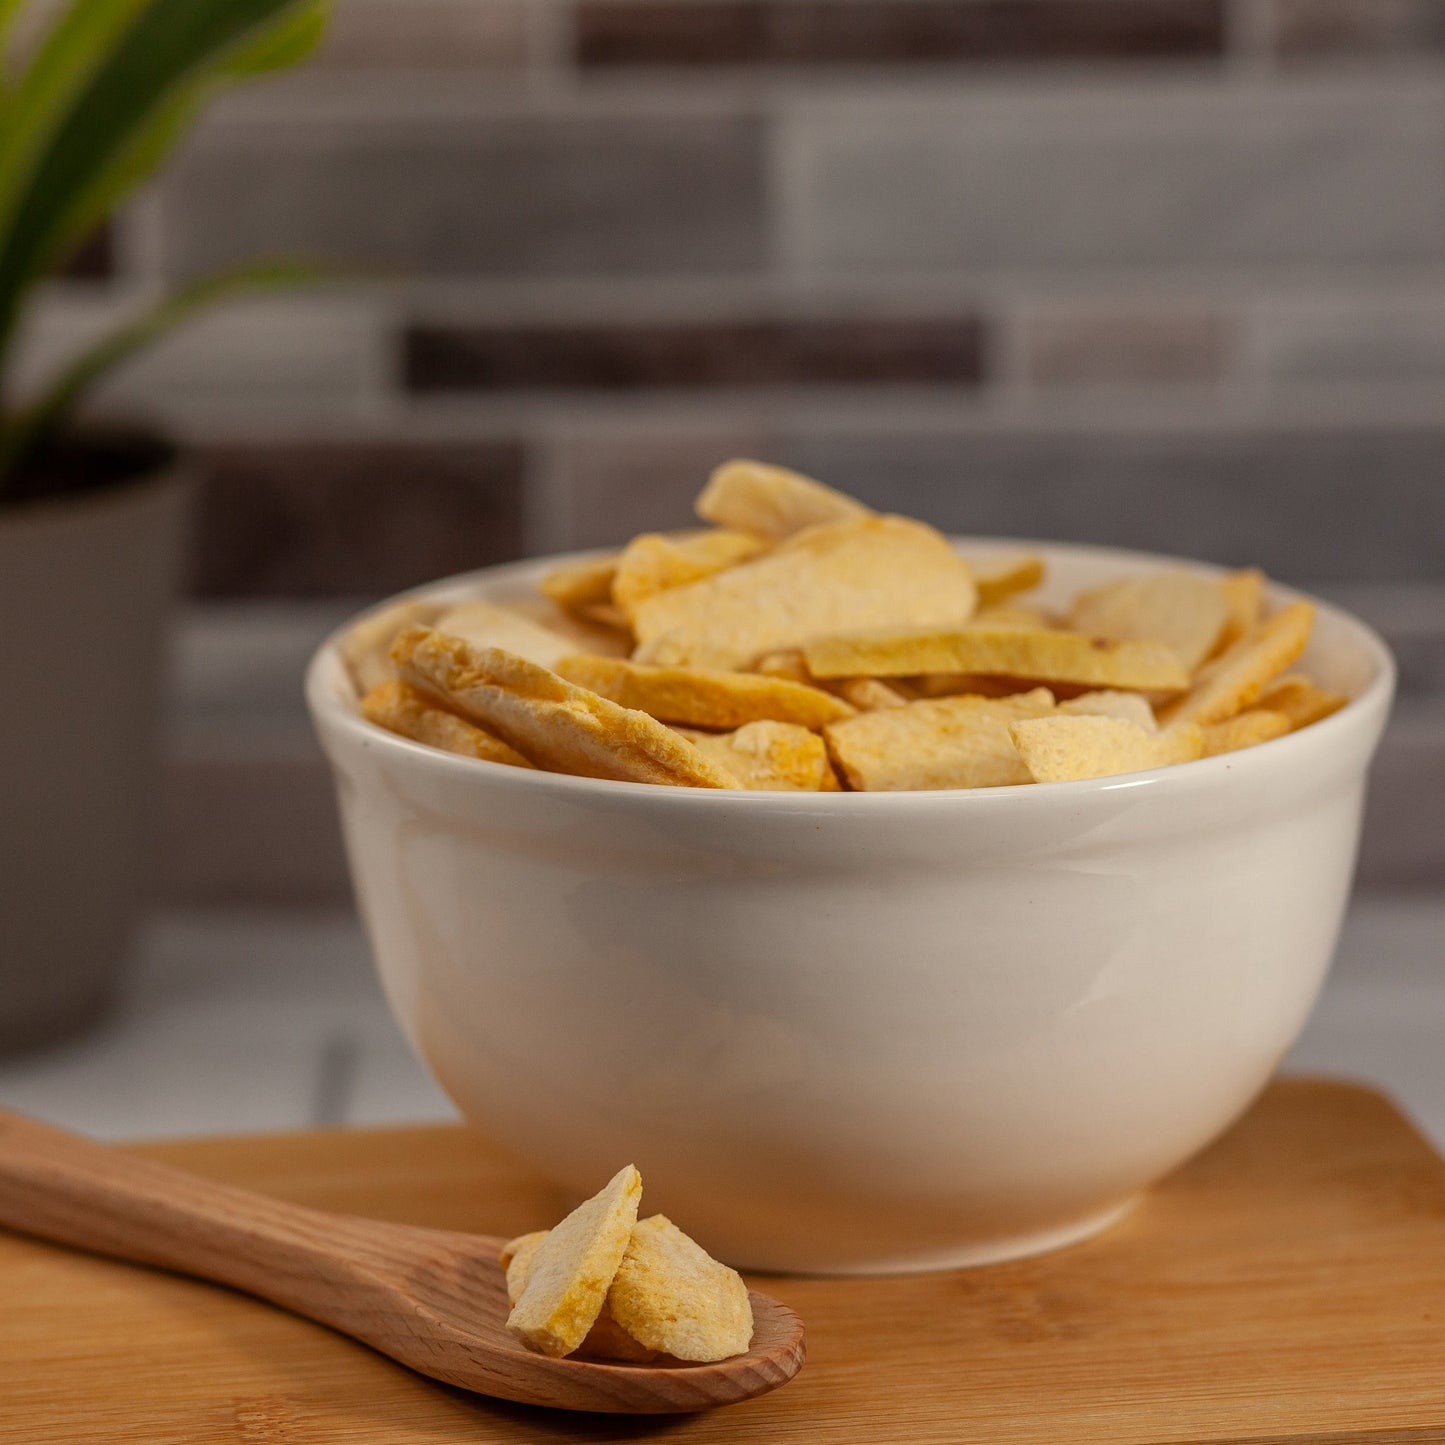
(1248, 48)
(335, 1093)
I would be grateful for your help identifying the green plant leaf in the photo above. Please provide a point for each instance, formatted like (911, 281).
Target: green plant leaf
(28, 432)
(64, 63)
(134, 103)
(278, 47)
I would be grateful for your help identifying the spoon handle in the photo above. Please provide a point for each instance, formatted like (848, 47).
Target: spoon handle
(70, 1190)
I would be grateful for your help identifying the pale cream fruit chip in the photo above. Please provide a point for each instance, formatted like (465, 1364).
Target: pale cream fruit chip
(703, 698)
(1244, 605)
(583, 634)
(572, 1269)
(672, 1296)
(560, 726)
(772, 757)
(1235, 679)
(1029, 619)
(1127, 705)
(1243, 730)
(1043, 656)
(873, 572)
(1062, 749)
(787, 663)
(1004, 576)
(956, 742)
(400, 708)
(652, 562)
(366, 647)
(868, 694)
(606, 1340)
(516, 1260)
(485, 624)
(575, 586)
(1182, 609)
(772, 501)
(961, 684)
(608, 615)
(1301, 699)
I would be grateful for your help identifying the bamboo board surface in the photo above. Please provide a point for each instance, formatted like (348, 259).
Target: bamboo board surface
(1288, 1285)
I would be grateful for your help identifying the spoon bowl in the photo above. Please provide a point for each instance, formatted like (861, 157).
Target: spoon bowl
(436, 1300)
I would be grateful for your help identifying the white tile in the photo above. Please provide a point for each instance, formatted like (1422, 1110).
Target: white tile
(1349, 338)
(302, 348)
(1077, 176)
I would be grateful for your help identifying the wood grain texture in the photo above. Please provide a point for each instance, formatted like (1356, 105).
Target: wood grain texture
(1284, 1287)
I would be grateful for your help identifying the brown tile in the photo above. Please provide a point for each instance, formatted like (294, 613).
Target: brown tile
(484, 195)
(442, 34)
(1304, 28)
(94, 258)
(620, 485)
(872, 32)
(1101, 347)
(704, 354)
(316, 518)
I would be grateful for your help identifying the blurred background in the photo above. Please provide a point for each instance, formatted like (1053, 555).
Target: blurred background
(1159, 273)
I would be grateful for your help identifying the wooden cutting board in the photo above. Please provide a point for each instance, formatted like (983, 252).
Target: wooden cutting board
(1288, 1285)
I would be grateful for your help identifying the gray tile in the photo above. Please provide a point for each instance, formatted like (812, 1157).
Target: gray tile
(1119, 178)
(1348, 339)
(620, 484)
(1403, 844)
(436, 34)
(1293, 501)
(539, 195)
(1104, 344)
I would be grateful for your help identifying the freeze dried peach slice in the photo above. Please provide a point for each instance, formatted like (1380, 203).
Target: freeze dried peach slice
(776, 757)
(1301, 699)
(1181, 609)
(572, 1269)
(872, 572)
(484, 624)
(672, 1296)
(557, 724)
(703, 697)
(366, 647)
(400, 708)
(606, 1340)
(1127, 705)
(1236, 679)
(952, 742)
(755, 497)
(1043, 656)
(1243, 730)
(1063, 749)
(1003, 576)
(576, 586)
(1244, 605)
(652, 562)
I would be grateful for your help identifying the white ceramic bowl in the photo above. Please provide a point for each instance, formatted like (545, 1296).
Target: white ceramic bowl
(860, 1032)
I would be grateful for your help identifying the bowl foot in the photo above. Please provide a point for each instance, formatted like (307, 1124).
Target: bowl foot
(993, 1251)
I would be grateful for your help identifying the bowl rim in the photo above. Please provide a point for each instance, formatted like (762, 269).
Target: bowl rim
(1369, 706)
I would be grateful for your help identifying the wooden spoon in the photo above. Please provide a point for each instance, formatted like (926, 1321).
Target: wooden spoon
(434, 1299)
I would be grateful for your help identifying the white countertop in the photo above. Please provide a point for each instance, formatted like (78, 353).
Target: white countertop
(245, 1020)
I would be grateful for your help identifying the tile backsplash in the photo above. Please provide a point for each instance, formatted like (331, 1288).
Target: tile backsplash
(1168, 273)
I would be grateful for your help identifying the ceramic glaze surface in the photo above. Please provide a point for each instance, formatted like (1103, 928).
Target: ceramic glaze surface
(860, 1032)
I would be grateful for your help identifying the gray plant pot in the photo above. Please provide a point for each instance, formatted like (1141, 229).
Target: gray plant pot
(86, 584)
